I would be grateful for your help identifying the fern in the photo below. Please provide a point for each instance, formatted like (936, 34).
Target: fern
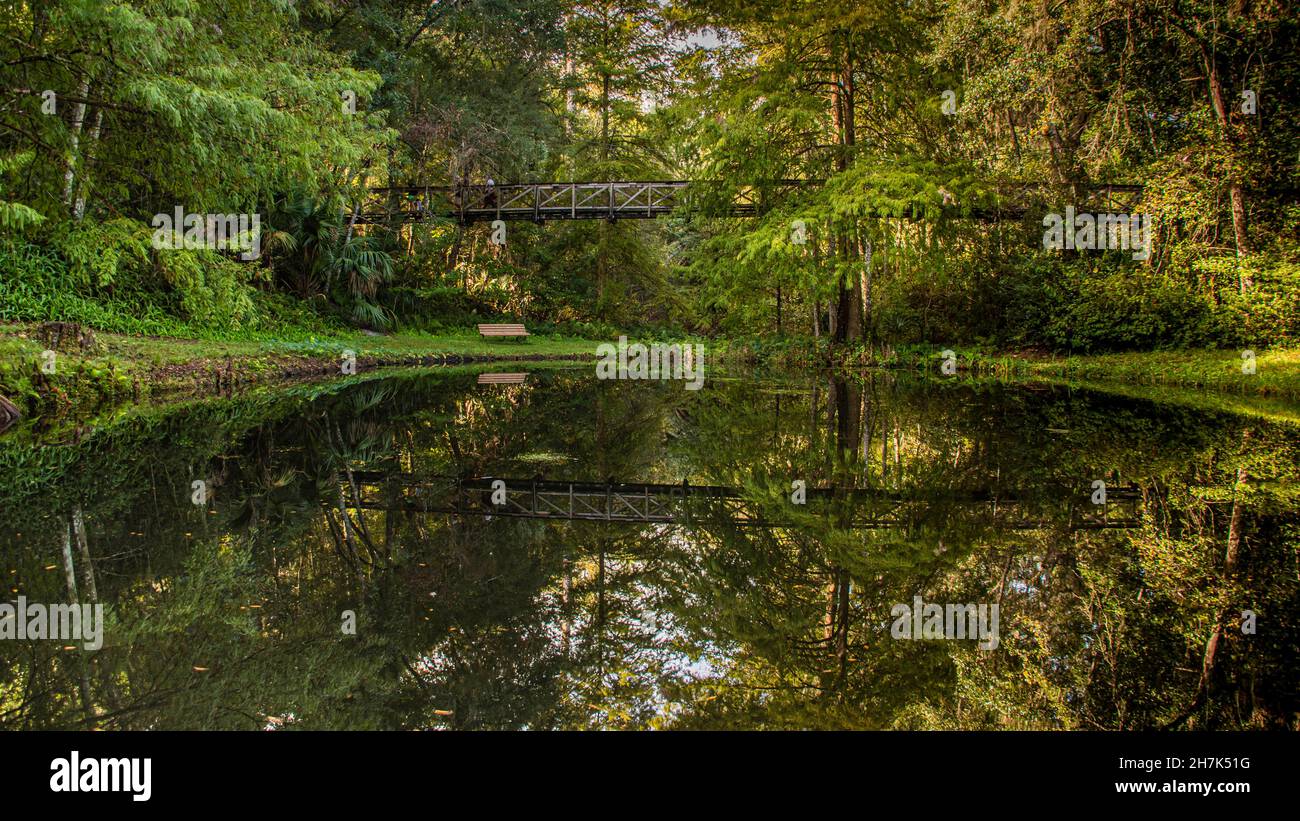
(16, 217)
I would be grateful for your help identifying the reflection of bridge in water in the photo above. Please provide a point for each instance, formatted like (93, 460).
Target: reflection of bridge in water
(648, 503)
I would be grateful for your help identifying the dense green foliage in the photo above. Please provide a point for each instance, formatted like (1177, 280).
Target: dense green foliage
(292, 111)
(900, 157)
(915, 116)
(910, 107)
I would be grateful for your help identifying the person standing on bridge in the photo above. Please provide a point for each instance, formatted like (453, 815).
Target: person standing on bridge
(490, 196)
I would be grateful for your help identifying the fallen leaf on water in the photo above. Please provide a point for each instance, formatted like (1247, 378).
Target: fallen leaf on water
(200, 669)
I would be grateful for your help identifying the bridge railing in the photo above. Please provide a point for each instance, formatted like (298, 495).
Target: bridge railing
(535, 201)
(538, 201)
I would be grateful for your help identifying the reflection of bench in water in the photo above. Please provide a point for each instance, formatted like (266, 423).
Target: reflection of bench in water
(502, 378)
(650, 503)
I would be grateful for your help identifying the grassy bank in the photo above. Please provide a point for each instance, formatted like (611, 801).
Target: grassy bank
(94, 369)
(91, 368)
(1277, 372)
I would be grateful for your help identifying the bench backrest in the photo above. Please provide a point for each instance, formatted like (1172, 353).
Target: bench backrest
(501, 329)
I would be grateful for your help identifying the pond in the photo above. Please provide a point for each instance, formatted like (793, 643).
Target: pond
(479, 550)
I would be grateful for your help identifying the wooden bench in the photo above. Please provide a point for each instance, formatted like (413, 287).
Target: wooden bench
(502, 331)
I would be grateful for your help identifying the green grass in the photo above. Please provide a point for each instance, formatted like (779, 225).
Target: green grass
(170, 350)
(175, 350)
(136, 367)
(1277, 372)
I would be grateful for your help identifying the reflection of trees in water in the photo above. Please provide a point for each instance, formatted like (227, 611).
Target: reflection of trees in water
(241, 627)
(232, 620)
(1094, 633)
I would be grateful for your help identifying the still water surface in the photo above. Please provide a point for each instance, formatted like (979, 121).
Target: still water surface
(350, 562)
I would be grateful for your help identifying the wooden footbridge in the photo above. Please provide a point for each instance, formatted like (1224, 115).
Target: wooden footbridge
(542, 201)
(650, 503)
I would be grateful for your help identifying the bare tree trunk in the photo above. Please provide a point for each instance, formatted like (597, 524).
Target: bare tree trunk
(865, 283)
(352, 223)
(817, 304)
(857, 306)
(569, 103)
(832, 601)
(1235, 190)
(83, 185)
(453, 257)
(78, 119)
(601, 272)
(842, 640)
(832, 307)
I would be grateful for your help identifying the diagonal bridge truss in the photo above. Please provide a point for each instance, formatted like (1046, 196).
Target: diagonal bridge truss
(542, 201)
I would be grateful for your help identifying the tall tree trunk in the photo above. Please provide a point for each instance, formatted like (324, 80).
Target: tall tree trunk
(83, 184)
(1236, 192)
(356, 212)
(604, 119)
(817, 303)
(849, 276)
(569, 104)
(78, 120)
(864, 281)
(453, 256)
